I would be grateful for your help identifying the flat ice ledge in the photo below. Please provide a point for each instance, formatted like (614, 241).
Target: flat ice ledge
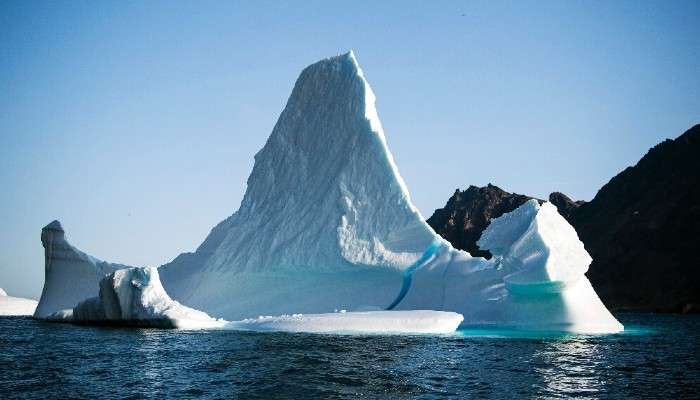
(369, 322)
(14, 306)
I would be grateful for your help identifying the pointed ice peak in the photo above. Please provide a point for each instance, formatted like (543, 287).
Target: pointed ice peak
(3, 293)
(330, 111)
(347, 58)
(52, 233)
(324, 192)
(339, 83)
(350, 56)
(55, 225)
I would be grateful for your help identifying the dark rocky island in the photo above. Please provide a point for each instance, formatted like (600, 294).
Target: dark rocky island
(642, 228)
(468, 213)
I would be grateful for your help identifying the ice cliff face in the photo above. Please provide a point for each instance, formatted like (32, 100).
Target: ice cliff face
(327, 223)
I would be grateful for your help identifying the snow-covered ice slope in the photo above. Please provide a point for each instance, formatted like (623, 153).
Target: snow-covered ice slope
(70, 275)
(15, 305)
(375, 322)
(135, 297)
(327, 223)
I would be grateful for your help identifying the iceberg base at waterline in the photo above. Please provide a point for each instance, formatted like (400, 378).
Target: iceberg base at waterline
(16, 306)
(520, 288)
(135, 297)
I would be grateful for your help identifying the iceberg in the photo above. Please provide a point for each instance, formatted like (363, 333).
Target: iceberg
(14, 306)
(135, 297)
(327, 223)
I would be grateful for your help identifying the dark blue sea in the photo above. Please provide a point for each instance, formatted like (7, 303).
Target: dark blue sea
(657, 357)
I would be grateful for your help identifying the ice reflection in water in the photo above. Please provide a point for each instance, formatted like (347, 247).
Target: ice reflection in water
(148, 345)
(572, 367)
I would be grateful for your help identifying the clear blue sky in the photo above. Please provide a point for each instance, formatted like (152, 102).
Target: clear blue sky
(135, 123)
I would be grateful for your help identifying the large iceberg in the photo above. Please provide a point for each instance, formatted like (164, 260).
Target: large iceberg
(327, 223)
(15, 305)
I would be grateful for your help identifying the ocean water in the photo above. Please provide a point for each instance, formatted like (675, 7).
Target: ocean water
(657, 357)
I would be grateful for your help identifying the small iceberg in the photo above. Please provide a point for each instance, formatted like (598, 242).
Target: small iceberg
(135, 297)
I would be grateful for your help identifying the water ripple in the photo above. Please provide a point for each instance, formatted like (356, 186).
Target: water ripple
(656, 358)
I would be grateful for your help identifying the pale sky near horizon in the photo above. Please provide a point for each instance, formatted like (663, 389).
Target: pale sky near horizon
(135, 123)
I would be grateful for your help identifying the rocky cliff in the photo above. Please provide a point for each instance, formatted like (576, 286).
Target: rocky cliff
(469, 212)
(643, 230)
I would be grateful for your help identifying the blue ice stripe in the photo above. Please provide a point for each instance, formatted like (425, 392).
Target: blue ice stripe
(407, 275)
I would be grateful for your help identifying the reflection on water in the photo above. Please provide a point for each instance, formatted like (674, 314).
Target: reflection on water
(571, 366)
(148, 347)
(655, 357)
